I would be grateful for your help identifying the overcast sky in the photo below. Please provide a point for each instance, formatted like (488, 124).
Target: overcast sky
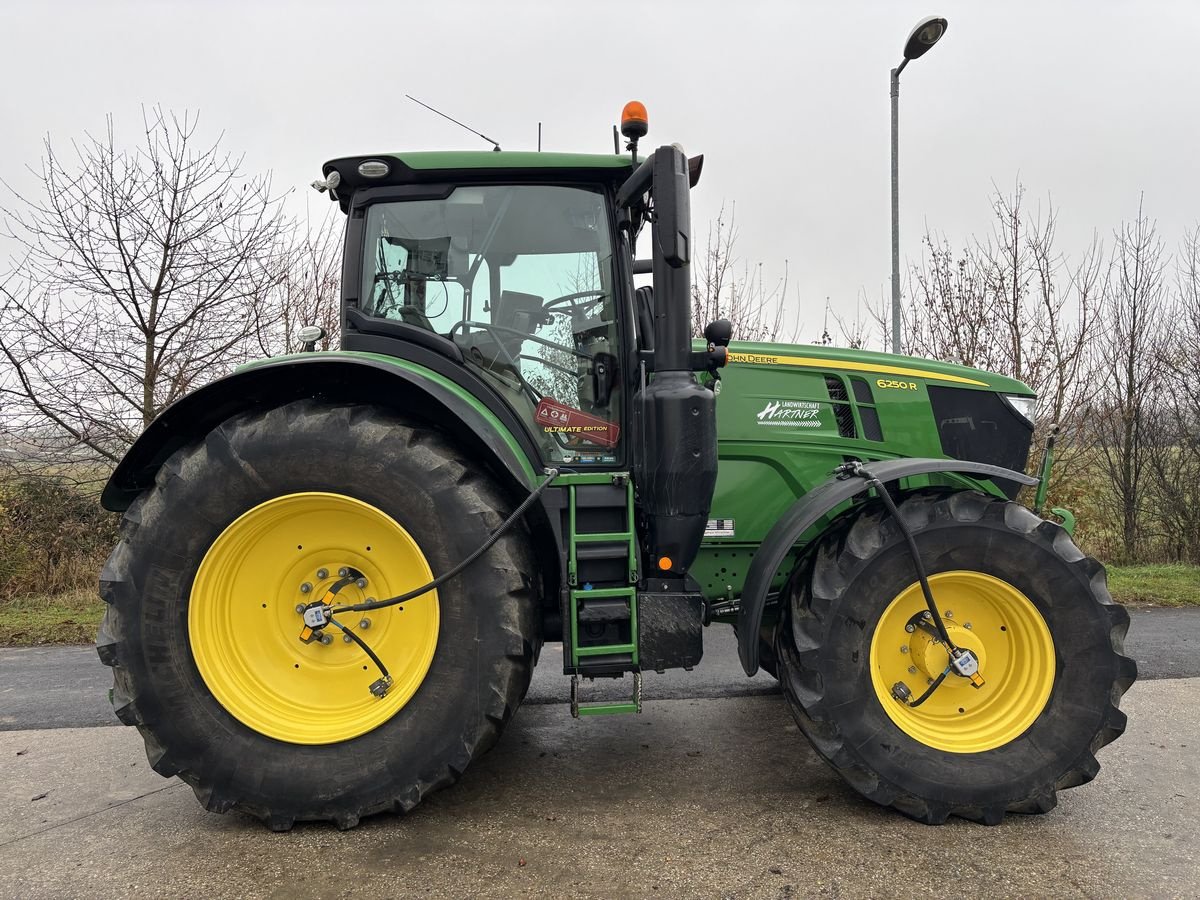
(1092, 102)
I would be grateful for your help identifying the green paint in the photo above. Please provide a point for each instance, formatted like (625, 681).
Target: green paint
(574, 538)
(1068, 519)
(508, 159)
(1039, 499)
(607, 709)
(498, 427)
(765, 467)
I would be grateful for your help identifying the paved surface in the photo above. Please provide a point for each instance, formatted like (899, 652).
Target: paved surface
(694, 798)
(66, 687)
(711, 792)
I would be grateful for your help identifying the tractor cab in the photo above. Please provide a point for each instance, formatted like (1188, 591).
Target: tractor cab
(518, 279)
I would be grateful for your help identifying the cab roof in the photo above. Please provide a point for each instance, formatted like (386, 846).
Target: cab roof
(477, 165)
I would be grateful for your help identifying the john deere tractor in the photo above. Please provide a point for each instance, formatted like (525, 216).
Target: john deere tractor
(337, 569)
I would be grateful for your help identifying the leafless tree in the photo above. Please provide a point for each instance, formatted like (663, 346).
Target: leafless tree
(1125, 418)
(141, 273)
(307, 290)
(1013, 304)
(1174, 458)
(1010, 304)
(725, 286)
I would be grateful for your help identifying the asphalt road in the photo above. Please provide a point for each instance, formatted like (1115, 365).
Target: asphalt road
(711, 792)
(67, 687)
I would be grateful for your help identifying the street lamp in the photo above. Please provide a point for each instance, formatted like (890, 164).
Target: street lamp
(927, 33)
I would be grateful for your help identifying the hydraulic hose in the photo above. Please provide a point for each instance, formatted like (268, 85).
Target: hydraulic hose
(862, 472)
(517, 513)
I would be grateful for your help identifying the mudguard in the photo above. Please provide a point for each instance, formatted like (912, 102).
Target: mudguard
(483, 425)
(808, 510)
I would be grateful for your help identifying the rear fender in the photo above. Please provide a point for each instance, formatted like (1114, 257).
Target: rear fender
(486, 428)
(808, 511)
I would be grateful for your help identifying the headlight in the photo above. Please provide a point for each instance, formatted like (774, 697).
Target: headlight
(1026, 407)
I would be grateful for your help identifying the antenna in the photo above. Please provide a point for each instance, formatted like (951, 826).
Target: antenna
(539, 137)
(495, 145)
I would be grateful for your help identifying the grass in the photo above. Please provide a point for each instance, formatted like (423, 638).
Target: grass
(69, 618)
(1156, 585)
(72, 618)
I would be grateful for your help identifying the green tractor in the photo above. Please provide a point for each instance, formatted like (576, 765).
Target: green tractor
(337, 569)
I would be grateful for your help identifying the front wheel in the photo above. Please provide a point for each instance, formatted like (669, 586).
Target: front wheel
(1010, 587)
(205, 592)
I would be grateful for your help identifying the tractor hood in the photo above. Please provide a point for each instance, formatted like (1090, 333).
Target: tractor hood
(877, 366)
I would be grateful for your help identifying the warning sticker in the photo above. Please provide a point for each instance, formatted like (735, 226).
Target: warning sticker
(555, 418)
(719, 528)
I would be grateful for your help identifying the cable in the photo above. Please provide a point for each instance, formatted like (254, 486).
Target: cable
(551, 474)
(862, 472)
(371, 653)
(929, 691)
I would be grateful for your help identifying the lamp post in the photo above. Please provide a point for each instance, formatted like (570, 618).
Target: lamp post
(927, 33)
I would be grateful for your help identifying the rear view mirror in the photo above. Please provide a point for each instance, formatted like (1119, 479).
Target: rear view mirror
(672, 206)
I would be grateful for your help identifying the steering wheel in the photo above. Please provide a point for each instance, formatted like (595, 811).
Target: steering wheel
(574, 302)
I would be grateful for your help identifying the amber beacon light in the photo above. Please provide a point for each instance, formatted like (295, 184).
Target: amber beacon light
(634, 121)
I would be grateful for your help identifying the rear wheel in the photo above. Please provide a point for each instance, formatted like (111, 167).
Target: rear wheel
(203, 632)
(1013, 589)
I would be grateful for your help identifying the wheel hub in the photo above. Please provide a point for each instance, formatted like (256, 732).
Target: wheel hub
(931, 656)
(994, 621)
(244, 627)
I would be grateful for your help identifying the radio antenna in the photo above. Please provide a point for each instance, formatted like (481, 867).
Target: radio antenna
(495, 145)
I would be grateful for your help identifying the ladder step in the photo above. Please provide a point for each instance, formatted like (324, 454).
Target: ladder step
(606, 708)
(602, 610)
(602, 551)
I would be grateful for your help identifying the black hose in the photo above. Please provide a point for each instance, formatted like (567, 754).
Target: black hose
(932, 687)
(367, 606)
(862, 472)
(371, 653)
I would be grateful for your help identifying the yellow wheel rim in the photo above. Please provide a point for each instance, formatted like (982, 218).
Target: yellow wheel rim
(1001, 627)
(245, 632)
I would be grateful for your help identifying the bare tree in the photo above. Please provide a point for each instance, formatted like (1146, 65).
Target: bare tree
(724, 286)
(1125, 417)
(1011, 304)
(307, 290)
(1174, 458)
(141, 274)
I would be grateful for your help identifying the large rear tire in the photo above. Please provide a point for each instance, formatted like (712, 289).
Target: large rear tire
(1013, 588)
(202, 632)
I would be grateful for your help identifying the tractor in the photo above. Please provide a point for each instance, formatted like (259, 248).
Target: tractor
(336, 570)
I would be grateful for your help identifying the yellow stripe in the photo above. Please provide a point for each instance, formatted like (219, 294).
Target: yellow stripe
(812, 362)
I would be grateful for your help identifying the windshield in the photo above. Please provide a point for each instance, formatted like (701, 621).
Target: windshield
(520, 277)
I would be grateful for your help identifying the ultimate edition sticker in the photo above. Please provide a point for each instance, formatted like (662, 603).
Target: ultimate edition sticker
(556, 418)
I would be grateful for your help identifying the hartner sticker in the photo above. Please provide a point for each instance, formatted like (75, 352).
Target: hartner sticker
(794, 413)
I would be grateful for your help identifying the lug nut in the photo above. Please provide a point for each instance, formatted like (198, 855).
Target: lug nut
(967, 625)
(322, 573)
(300, 608)
(343, 572)
(912, 670)
(362, 582)
(326, 639)
(904, 648)
(364, 623)
(948, 614)
(346, 638)
(306, 587)
(910, 627)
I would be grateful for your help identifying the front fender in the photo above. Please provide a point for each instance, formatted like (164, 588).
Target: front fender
(483, 425)
(810, 509)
